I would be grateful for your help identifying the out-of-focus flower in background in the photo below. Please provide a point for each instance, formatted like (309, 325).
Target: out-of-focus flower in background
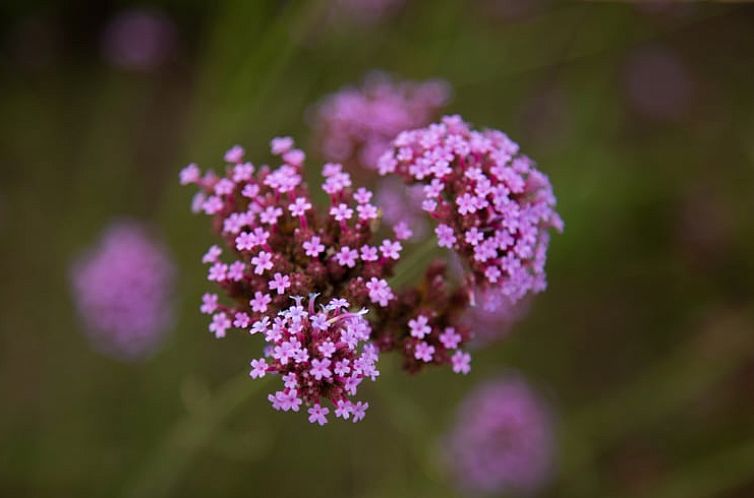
(657, 84)
(402, 204)
(355, 125)
(493, 317)
(139, 39)
(123, 289)
(502, 441)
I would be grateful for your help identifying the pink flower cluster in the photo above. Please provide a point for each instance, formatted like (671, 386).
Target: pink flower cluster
(490, 203)
(355, 125)
(503, 439)
(283, 247)
(320, 355)
(122, 289)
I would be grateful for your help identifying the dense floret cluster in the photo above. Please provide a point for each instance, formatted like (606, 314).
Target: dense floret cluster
(320, 355)
(490, 204)
(283, 248)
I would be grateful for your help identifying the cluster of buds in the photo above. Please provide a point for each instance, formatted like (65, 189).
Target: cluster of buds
(490, 204)
(282, 248)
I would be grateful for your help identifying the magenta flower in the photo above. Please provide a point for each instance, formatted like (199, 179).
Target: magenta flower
(122, 288)
(355, 125)
(502, 442)
(494, 208)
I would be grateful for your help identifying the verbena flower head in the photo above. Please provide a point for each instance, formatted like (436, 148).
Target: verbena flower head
(503, 439)
(279, 246)
(355, 125)
(321, 354)
(490, 203)
(122, 288)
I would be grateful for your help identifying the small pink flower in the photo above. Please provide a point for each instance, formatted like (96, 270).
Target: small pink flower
(300, 206)
(367, 212)
(242, 172)
(461, 362)
(450, 338)
(262, 262)
(391, 250)
(424, 352)
(341, 212)
(270, 215)
(245, 242)
(190, 174)
(419, 327)
(220, 323)
(260, 302)
(241, 320)
(217, 272)
(234, 154)
(235, 271)
(279, 283)
(347, 257)
(313, 247)
(212, 254)
(258, 368)
(320, 369)
(317, 414)
(379, 291)
(209, 303)
(281, 145)
(369, 253)
(445, 237)
(362, 195)
(359, 410)
(402, 231)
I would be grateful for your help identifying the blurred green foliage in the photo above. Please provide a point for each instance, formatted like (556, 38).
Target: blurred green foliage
(643, 342)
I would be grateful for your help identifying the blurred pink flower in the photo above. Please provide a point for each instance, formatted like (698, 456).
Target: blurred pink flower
(139, 39)
(502, 442)
(122, 288)
(355, 125)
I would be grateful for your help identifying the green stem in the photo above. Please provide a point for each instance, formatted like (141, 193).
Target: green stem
(168, 462)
